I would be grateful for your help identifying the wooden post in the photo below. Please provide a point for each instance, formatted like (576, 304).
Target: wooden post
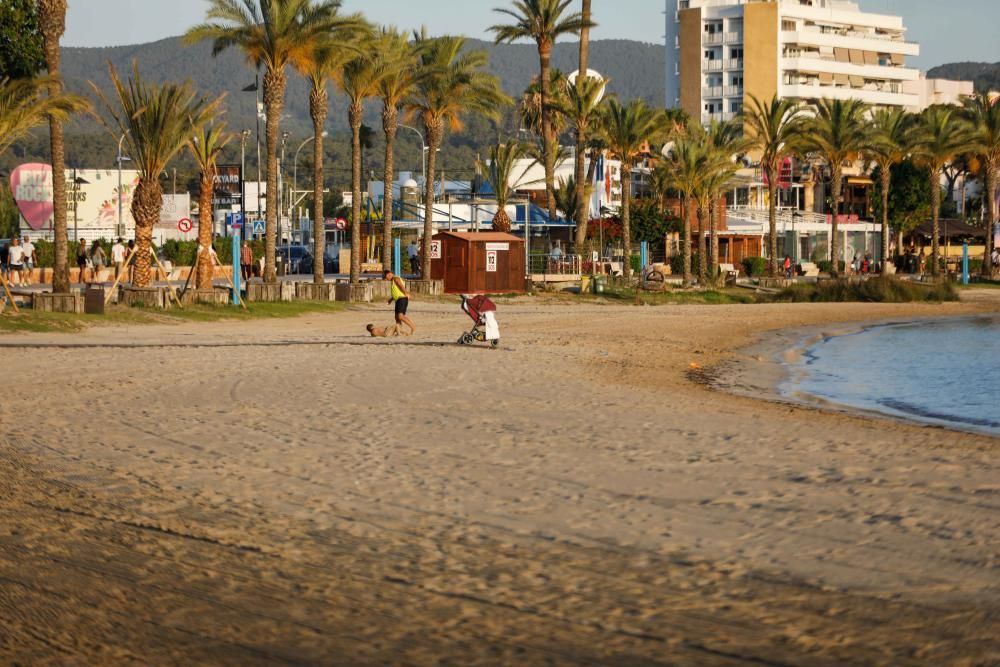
(6, 289)
(166, 275)
(124, 272)
(239, 298)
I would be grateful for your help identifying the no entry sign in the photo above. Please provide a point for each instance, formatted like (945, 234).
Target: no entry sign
(185, 225)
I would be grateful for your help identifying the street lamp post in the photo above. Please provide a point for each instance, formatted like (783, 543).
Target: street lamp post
(423, 157)
(279, 198)
(119, 160)
(295, 170)
(244, 136)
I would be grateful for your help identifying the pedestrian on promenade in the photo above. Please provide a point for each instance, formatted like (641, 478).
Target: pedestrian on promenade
(29, 260)
(81, 260)
(97, 259)
(15, 261)
(246, 261)
(4, 259)
(788, 266)
(414, 254)
(399, 295)
(129, 251)
(118, 257)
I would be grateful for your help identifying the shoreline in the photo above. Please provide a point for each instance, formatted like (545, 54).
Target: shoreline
(761, 369)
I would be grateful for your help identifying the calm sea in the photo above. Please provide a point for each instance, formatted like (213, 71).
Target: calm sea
(944, 372)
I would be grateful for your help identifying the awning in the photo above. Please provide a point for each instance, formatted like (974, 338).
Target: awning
(952, 229)
(826, 77)
(841, 54)
(841, 79)
(857, 57)
(859, 180)
(857, 81)
(898, 59)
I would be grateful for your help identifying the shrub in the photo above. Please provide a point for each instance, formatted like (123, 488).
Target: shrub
(635, 261)
(884, 289)
(677, 265)
(754, 266)
(826, 266)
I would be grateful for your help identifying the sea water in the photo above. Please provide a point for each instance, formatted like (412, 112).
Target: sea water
(944, 372)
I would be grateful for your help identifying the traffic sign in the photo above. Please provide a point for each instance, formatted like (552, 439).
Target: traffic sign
(435, 250)
(341, 224)
(259, 227)
(185, 225)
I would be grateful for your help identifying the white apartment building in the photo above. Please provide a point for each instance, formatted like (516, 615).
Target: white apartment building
(722, 51)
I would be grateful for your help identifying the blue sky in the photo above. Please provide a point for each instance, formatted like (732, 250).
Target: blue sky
(948, 31)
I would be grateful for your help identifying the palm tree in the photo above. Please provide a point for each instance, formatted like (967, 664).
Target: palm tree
(626, 129)
(156, 121)
(500, 172)
(325, 64)
(838, 131)
(359, 80)
(582, 106)
(23, 108)
(725, 141)
(685, 162)
(982, 112)
(52, 25)
(941, 135)
(272, 34)
(583, 212)
(772, 126)
(543, 21)
(398, 59)
(454, 83)
(205, 148)
(888, 146)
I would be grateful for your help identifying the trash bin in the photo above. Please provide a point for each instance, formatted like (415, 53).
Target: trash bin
(93, 300)
(597, 285)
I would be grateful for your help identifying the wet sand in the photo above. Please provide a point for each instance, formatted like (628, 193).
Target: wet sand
(290, 491)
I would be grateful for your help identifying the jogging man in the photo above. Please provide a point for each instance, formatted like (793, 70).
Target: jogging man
(397, 289)
(29, 260)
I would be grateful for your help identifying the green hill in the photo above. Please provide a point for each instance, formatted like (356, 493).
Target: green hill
(985, 75)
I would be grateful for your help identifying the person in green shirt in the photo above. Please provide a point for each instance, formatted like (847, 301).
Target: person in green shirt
(399, 295)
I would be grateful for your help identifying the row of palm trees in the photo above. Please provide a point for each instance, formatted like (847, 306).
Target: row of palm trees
(700, 162)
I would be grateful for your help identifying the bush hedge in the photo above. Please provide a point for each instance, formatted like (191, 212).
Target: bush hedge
(677, 265)
(826, 266)
(884, 289)
(754, 266)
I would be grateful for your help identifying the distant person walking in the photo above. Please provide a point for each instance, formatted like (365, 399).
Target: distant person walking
(399, 295)
(15, 261)
(97, 259)
(81, 260)
(29, 260)
(788, 266)
(118, 257)
(246, 261)
(414, 254)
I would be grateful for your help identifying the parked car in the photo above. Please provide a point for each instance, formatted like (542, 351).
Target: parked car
(290, 255)
(331, 264)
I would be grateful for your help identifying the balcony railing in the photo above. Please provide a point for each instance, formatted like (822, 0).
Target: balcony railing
(734, 38)
(734, 63)
(709, 38)
(711, 65)
(711, 91)
(733, 91)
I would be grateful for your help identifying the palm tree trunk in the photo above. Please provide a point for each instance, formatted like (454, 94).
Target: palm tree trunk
(354, 116)
(390, 125)
(583, 206)
(686, 241)
(991, 218)
(435, 135)
(204, 268)
(544, 57)
(52, 21)
(886, 178)
(627, 219)
(713, 235)
(146, 205)
(702, 251)
(835, 187)
(319, 104)
(936, 217)
(274, 102)
(772, 223)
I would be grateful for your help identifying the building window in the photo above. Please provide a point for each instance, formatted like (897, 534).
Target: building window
(788, 26)
(710, 54)
(737, 80)
(736, 107)
(736, 53)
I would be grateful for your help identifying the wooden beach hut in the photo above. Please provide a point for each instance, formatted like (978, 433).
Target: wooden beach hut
(478, 263)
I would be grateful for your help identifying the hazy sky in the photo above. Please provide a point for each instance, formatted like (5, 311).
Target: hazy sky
(949, 31)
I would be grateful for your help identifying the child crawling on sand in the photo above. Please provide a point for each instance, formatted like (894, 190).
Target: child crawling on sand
(386, 332)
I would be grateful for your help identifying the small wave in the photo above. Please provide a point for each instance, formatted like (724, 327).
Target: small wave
(917, 411)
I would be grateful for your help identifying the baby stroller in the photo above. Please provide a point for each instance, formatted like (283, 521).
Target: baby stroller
(483, 313)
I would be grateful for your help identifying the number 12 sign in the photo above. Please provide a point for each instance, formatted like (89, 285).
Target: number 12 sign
(491, 261)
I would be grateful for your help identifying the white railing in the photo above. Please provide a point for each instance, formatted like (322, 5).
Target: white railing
(711, 65)
(711, 91)
(709, 38)
(734, 63)
(734, 38)
(734, 90)
(564, 265)
(757, 216)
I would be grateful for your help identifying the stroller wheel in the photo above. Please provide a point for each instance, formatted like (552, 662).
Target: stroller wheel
(495, 343)
(467, 339)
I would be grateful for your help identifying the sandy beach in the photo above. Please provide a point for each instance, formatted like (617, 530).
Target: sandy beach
(292, 492)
